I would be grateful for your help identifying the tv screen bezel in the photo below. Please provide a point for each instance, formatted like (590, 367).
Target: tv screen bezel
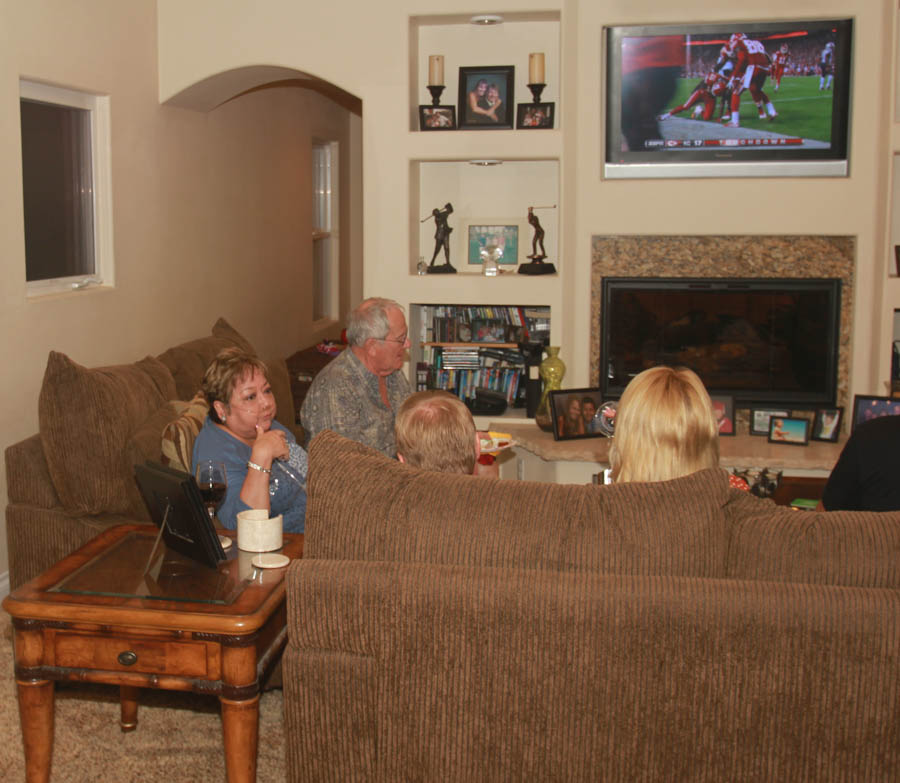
(743, 398)
(715, 162)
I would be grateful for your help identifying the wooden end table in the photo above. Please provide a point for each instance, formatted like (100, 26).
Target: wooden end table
(108, 613)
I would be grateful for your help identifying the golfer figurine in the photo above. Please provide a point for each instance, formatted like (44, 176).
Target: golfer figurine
(441, 238)
(537, 266)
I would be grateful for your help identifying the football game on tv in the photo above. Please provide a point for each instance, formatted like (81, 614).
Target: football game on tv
(735, 99)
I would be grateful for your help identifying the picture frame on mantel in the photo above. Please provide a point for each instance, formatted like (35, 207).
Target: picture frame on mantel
(486, 97)
(437, 118)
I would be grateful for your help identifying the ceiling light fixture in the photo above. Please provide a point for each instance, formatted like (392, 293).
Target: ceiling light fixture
(485, 162)
(486, 19)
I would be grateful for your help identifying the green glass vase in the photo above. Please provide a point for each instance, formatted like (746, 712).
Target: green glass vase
(552, 371)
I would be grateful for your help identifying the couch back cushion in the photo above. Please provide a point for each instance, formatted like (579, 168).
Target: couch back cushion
(187, 362)
(777, 544)
(87, 418)
(365, 506)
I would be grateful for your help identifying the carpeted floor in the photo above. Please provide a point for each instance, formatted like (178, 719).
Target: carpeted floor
(179, 735)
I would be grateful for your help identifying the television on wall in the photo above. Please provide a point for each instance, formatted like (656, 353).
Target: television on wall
(763, 341)
(748, 99)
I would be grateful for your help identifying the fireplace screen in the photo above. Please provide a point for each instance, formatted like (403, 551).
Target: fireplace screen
(763, 341)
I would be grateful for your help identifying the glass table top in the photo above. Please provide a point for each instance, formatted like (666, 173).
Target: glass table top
(135, 567)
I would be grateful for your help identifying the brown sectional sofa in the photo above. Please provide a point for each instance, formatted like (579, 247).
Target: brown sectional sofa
(75, 477)
(447, 628)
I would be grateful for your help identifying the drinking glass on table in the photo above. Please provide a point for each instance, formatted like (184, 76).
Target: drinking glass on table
(605, 418)
(213, 484)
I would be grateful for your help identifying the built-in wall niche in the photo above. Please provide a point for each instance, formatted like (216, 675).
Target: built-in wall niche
(462, 43)
(483, 195)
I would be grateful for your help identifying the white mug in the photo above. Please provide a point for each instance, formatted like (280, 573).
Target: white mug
(256, 532)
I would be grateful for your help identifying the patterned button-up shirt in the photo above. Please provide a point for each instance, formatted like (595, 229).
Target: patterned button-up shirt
(344, 397)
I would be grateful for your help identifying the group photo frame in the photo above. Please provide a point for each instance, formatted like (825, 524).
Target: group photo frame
(486, 97)
(573, 410)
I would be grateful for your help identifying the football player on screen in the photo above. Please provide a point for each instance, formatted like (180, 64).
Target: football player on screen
(779, 62)
(826, 67)
(751, 68)
(706, 91)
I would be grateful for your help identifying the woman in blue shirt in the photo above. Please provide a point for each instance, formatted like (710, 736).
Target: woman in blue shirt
(264, 465)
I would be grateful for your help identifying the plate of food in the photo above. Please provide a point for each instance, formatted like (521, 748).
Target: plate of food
(494, 442)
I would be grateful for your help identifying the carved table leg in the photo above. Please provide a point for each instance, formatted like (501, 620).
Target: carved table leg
(240, 727)
(36, 699)
(128, 696)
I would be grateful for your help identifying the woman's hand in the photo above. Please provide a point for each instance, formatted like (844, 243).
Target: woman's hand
(269, 445)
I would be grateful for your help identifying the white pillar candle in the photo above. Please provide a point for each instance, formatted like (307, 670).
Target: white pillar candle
(536, 68)
(436, 69)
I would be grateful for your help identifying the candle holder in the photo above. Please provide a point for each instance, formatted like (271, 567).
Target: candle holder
(435, 90)
(536, 90)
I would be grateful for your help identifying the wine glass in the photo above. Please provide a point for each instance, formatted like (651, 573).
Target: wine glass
(211, 480)
(605, 418)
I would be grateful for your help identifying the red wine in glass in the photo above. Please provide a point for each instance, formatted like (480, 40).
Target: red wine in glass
(211, 481)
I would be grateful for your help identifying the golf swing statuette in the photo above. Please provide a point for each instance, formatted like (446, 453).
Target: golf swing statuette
(537, 265)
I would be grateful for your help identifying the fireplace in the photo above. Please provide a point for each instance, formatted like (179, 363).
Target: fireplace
(738, 258)
(763, 341)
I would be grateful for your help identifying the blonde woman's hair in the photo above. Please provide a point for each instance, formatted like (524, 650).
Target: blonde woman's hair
(435, 431)
(665, 427)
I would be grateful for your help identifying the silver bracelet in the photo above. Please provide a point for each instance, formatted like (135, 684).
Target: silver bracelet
(260, 468)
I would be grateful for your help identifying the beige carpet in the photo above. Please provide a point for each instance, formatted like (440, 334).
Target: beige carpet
(179, 735)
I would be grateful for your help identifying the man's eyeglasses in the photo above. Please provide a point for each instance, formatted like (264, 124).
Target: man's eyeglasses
(401, 340)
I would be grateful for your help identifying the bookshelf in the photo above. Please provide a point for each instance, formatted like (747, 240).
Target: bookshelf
(461, 348)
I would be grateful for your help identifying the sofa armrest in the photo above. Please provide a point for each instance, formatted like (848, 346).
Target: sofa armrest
(401, 671)
(27, 475)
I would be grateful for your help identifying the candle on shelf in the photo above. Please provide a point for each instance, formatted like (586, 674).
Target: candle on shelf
(536, 68)
(436, 69)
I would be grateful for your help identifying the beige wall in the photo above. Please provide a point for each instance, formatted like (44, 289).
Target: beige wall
(211, 210)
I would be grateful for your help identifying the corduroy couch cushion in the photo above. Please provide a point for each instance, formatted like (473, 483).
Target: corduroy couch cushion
(179, 435)
(87, 417)
(365, 506)
(849, 548)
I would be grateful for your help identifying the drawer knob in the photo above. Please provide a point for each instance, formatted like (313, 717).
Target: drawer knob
(127, 658)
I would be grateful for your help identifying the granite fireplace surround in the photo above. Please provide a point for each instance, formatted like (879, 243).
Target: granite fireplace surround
(728, 256)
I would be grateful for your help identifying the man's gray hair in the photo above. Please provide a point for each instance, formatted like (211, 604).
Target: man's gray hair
(370, 321)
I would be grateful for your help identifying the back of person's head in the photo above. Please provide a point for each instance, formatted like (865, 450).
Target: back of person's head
(230, 366)
(369, 320)
(665, 427)
(435, 431)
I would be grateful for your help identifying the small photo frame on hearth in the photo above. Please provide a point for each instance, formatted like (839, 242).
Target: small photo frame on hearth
(827, 424)
(760, 417)
(792, 432)
(723, 406)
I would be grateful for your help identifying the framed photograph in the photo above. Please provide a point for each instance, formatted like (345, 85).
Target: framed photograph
(723, 405)
(486, 97)
(488, 331)
(497, 237)
(867, 407)
(437, 118)
(783, 429)
(827, 424)
(759, 419)
(530, 116)
(572, 411)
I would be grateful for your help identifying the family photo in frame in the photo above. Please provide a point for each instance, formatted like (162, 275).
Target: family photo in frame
(723, 405)
(573, 410)
(486, 97)
(534, 115)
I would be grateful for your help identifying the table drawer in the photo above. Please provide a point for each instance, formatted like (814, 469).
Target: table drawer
(153, 656)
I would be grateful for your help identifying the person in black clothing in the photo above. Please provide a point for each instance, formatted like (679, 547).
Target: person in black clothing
(865, 477)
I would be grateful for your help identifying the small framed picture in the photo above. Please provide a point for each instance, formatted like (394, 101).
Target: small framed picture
(866, 406)
(573, 412)
(486, 97)
(759, 419)
(498, 239)
(723, 405)
(488, 331)
(437, 118)
(530, 116)
(783, 429)
(827, 424)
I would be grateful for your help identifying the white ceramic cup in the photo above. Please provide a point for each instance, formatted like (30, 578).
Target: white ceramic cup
(256, 532)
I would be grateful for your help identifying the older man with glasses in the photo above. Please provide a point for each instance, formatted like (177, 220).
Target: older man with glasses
(358, 394)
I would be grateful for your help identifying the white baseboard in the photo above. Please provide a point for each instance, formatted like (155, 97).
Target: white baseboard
(4, 584)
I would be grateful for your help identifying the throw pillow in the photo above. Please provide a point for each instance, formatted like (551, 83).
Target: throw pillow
(87, 417)
(179, 435)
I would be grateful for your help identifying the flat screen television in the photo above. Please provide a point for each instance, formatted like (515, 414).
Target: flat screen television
(669, 86)
(763, 341)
